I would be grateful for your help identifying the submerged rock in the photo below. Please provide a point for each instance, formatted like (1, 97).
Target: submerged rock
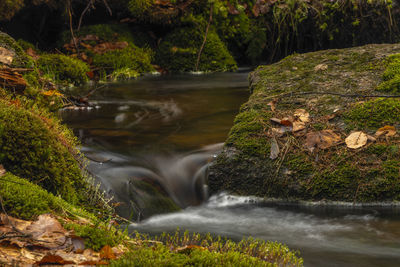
(340, 90)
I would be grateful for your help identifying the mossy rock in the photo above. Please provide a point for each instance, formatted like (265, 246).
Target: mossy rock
(26, 200)
(106, 32)
(178, 52)
(21, 59)
(38, 148)
(128, 62)
(63, 69)
(331, 85)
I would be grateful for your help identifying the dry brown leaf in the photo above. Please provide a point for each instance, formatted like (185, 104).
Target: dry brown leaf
(107, 253)
(278, 121)
(321, 67)
(387, 130)
(272, 104)
(6, 56)
(322, 139)
(371, 138)
(276, 132)
(298, 126)
(53, 260)
(274, 149)
(288, 122)
(356, 140)
(302, 115)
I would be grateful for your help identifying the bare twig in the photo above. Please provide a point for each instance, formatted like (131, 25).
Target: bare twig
(205, 37)
(90, 3)
(108, 7)
(71, 27)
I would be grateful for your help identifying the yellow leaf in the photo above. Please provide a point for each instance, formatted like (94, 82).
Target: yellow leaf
(356, 140)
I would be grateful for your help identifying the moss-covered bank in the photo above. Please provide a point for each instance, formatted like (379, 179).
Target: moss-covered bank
(333, 86)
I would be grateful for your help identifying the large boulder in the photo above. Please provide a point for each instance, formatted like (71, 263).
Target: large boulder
(314, 128)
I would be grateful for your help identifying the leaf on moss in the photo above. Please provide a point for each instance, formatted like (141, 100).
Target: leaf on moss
(272, 104)
(53, 260)
(321, 139)
(387, 131)
(107, 253)
(356, 140)
(320, 67)
(6, 56)
(302, 115)
(274, 149)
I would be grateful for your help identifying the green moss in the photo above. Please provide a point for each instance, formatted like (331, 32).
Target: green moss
(391, 76)
(245, 134)
(339, 184)
(208, 251)
(374, 114)
(131, 58)
(39, 149)
(21, 59)
(97, 236)
(25, 200)
(139, 7)
(116, 64)
(25, 45)
(179, 49)
(63, 69)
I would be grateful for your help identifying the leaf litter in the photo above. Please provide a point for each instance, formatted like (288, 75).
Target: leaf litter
(46, 242)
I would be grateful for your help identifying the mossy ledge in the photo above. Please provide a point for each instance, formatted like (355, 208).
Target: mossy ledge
(321, 83)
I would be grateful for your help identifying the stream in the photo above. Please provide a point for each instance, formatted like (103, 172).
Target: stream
(149, 142)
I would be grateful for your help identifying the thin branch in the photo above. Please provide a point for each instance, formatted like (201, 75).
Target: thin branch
(205, 37)
(83, 13)
(108, 7)
(71, 27)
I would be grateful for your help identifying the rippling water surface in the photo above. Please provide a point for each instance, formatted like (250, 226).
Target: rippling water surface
(165, 130)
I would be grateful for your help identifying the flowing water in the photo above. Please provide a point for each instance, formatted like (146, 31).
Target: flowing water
(150, 141)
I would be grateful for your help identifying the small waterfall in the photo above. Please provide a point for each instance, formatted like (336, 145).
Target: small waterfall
(159, 184)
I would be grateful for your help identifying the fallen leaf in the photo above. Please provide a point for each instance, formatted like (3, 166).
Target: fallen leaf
(321, 139)
(6, 56)
(387, 130)
(277, 132)
(53, 260)
(107, 253)
(78, 244)
(302, 115)
(321, 67)
(48, 230)
(272, 104)
(287, 122)
(51, 93)
(298, 126)
(356, 140)
(278, 121)
(274, 149)
(371, 138)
